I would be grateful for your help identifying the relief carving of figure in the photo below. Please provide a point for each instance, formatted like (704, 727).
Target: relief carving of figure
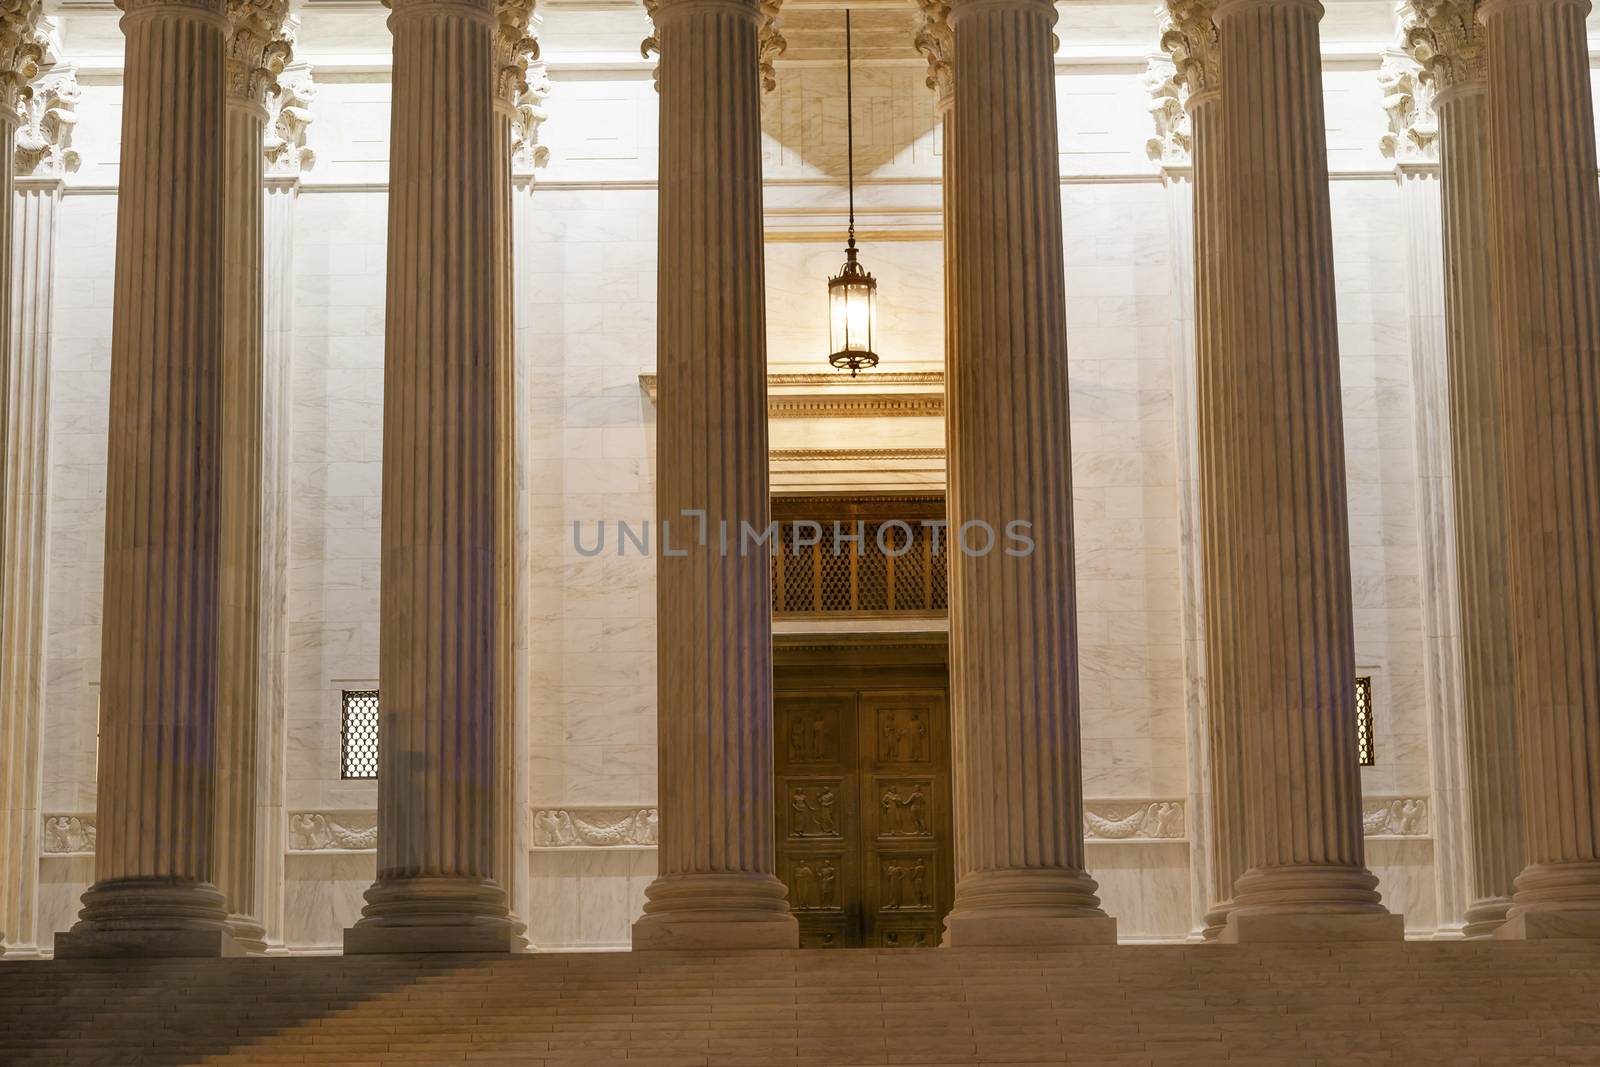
(894, 875)
(805, 886)
(919, 885)
(826, 879)
(826, 798)
(892, 803)
(68, 833)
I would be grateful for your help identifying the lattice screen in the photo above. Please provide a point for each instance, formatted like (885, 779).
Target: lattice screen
(1366, 743)
(823, 569)
(360, 733)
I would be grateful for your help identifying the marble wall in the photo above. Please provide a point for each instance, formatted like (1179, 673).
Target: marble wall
(586, 329)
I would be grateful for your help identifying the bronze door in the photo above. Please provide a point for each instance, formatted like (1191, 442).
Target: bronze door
(864, 824)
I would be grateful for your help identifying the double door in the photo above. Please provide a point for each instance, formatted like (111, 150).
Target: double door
(864, 822)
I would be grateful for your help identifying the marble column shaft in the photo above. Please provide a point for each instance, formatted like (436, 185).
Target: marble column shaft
(24, 497)
(1280, 473)
(156, 797)
(278, 298)
(25, 552)
(1544, 245)
(1215, 364)
(243, 620)
(513, 46)
(717, 887)
(1020, 874)
(439, 770)
(1488, 697)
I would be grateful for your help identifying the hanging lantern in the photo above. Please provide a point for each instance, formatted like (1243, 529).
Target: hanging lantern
(853, 314)
(852, 293)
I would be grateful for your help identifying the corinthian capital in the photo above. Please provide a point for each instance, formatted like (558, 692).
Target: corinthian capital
(937, 42)
(44, 138)
(1413, 135)
(527, 154)
(256, 50)
(1189, 36)
(773, 44)
(1174, 139)
(21, 48)
(1446, 40)
(515, 47)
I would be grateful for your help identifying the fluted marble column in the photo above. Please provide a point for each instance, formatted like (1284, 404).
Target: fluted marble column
(254, 57)
(716, 886)
(527, 154)
(154, 890)
(1544, 242)
(1280, 475)
(1192, 42)
(440, 772)
(24, 473)
(286, 156)
(1020, 875)
(514, 49)
(1448, 41)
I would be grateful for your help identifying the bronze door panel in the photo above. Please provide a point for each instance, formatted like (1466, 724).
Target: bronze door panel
(817, 824)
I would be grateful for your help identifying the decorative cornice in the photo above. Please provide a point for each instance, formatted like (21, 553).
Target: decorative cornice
(527, 154)
(1447, 41)
(515, 48)
(596, 827)
(1395, 816)
(937, 42)
(288, 115)
(333, 831)
(1189, 36)
(852, 455)
(887, 394)
(68, 835)
(1413, 134)
(773, 44)
(1174, 140)
(22, 48)
(44, 136)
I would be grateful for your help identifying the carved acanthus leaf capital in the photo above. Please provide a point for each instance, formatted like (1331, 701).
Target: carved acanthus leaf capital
(1446, 40)
(527, 154)
(773, 44)
(288, 115)
(1174, 139)
(515, 48)
(1413, 135)
(1189, 36)
(21, 48)
(651, 45)
(937, 42)
(257, 50)
(44, 136)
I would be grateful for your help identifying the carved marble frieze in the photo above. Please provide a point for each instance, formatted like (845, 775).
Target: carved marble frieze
(1395, 817)
(1133, 820)
(590, 827)
(333, 831)
(67, 835)
(889, 394)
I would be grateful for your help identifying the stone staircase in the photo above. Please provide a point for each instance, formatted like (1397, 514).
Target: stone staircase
(1417, 1003)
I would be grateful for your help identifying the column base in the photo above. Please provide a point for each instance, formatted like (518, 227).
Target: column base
(1248, 928)
(1023, 931)
(1486, 916)
(419, 940)
(714, 912)
(145, 944)
(432, 913)
(1575, 924)
(1215, 921)
(250, 935)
